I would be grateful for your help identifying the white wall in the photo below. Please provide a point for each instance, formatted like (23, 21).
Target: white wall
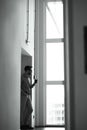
(79, 17)
(39, 62)
(12, 37)
(30, 47)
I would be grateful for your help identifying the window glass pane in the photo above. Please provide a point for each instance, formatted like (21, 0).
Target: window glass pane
(55, 105)
(54, 20)
(55, 61)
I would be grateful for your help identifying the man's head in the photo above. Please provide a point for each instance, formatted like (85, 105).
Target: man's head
(28, 70)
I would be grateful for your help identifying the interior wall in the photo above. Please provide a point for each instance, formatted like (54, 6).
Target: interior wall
(39, 64)
(9, 64)
(79, 17)
(25, 60)
(30, 46)
(12, 38)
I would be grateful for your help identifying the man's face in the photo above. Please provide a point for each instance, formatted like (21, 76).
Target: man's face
(29, 72)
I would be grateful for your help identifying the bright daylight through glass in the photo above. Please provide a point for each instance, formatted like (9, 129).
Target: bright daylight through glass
(54, 20)
(55, 96)
(55, 61)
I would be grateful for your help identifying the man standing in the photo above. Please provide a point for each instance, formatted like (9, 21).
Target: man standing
(26, 86)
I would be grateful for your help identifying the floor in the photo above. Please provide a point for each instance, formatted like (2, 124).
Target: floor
(48, 128)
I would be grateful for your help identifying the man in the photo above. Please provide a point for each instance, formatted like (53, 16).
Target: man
(26, 86)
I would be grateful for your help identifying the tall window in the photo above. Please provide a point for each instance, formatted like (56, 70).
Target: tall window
(54, 40)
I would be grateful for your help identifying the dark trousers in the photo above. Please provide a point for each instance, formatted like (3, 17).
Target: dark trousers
(26, 109)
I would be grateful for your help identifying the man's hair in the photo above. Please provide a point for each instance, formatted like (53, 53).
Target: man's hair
(27, 67)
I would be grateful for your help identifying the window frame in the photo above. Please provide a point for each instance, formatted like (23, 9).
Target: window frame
(39, 39)
(50, 40)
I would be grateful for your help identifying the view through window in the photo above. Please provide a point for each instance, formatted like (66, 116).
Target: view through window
(55, 96)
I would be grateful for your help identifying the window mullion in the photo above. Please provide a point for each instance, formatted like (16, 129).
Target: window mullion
(57, 40)
(54, 82)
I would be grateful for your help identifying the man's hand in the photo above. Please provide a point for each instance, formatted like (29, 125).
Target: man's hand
(35, 81)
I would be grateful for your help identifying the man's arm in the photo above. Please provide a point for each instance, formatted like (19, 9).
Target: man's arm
(32, 85)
